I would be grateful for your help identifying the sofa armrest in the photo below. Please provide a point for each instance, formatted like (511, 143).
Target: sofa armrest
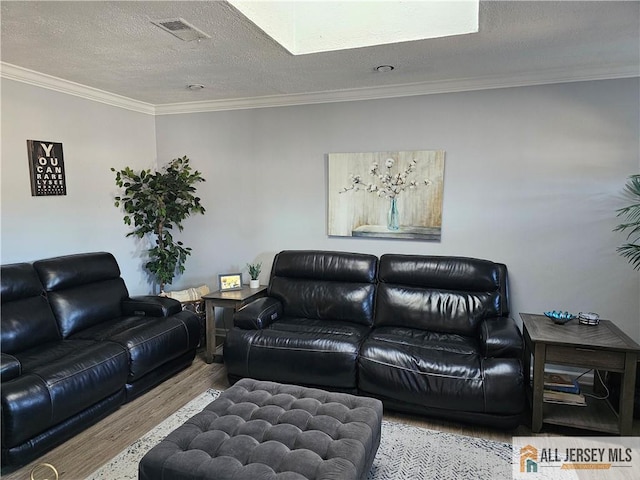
(10, 367)
(500, 337)
(151, 306)
(258, 314)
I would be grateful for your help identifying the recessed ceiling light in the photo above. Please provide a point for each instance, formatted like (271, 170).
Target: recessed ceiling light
(384, 68)
(195, 86)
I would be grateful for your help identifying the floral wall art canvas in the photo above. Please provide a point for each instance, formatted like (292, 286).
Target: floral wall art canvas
(386, 194)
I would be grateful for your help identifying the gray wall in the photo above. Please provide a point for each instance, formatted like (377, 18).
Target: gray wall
(533, 177)
(95, 137)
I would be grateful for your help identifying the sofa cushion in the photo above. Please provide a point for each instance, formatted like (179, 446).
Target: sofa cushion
(50, 353)
(58, 381)
(444, 294)
(325, 285)
(325, 300)
(81, 307)
(149, 341)
(83, 290)
(438, 370)
(434, 310)
(325, 265)
(297, 350)
(59, 273)
(18, 281)
(27, 319)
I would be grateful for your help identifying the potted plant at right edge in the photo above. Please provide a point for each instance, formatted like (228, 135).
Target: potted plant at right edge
(254, 274)
(631, 213)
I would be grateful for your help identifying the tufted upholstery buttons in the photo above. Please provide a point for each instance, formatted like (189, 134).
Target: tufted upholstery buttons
(268, 430)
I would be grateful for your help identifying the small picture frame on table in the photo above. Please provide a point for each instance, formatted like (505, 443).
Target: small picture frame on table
(229, 281)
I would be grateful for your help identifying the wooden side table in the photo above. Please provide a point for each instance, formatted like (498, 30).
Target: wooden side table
(601, 347)
(234, 299)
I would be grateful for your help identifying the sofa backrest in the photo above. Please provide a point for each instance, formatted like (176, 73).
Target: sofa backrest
(444, 294)
(325, 285)
(83, 289)
(26, 317)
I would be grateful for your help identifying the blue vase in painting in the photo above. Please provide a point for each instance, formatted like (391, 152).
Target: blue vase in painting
(393, 219)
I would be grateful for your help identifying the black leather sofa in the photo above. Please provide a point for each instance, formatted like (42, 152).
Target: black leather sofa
(75, 347)
(425, 334)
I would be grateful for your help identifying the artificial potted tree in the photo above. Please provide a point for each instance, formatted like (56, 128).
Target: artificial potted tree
(631, 214)
(155, 203)
(254, 274)
(631, 251)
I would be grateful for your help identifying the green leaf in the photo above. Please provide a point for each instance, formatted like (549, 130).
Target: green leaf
(631, 215)
(155, 202)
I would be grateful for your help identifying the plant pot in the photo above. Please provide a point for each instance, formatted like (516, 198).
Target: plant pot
(254, 283)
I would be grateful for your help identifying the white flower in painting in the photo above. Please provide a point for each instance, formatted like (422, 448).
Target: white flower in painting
(385, 184)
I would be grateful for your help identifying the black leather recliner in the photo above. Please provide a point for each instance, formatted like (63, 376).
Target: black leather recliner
(425, 334)
(443, 343)
(75, 347)
(309, 329)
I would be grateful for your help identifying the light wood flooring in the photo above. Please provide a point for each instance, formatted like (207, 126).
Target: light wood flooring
(87, 451)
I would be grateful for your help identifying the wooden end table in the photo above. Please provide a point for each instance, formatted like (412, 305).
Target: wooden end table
(234, 299)
(601, 347)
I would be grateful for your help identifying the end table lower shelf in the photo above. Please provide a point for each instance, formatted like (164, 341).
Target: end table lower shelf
(597, 415)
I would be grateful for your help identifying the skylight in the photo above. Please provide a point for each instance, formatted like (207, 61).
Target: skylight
(319, 26)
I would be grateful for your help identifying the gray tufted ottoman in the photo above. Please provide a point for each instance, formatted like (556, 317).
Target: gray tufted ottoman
(264, 430)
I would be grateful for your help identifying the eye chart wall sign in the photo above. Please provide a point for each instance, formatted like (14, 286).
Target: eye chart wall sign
(46, 166)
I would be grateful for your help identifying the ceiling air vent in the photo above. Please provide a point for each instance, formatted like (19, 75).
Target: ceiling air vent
(181, 29)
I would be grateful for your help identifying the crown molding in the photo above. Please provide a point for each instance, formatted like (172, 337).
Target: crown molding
(31, 77)
(394, 91)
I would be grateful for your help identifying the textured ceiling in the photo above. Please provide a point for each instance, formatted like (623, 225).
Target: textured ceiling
(114, 47)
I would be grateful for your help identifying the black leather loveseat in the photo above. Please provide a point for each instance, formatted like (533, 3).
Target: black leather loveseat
(425, 334)
(75, 347)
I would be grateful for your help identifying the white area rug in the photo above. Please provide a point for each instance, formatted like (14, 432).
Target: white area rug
(405, 453)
